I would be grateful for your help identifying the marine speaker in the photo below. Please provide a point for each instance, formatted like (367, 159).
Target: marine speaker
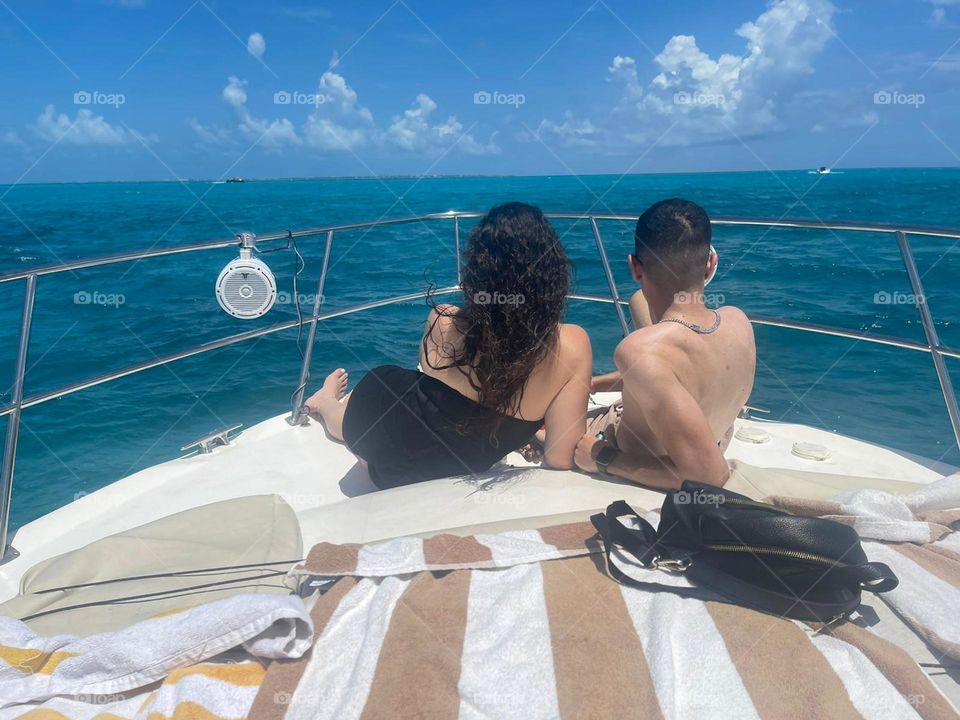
(246, 288)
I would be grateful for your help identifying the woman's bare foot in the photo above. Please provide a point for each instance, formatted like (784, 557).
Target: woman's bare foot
(333, 389)
(329, 404)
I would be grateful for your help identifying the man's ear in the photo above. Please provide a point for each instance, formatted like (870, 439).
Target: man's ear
(713, 261)
(636, 268)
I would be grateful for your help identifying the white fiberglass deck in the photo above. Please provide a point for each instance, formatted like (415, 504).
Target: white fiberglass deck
(312, 474)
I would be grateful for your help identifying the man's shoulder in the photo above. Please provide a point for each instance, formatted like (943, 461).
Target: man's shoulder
(737, 320)
(650, 338)
(646, 351)
(734, 314)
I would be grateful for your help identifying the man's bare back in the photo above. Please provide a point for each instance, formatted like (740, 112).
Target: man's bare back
(687, 369)
(714, 370)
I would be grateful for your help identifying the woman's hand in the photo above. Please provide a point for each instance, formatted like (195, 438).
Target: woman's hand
(532, 452)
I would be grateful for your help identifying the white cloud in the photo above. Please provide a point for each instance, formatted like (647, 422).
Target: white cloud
(571, 132)
(10, 137)
(939, 14)
(235, 93)
(694, 97)
(86, 128)
(210, 134)
(268, 133)
(338, 121)
(343, 97)
(413, 131)
(256, 45)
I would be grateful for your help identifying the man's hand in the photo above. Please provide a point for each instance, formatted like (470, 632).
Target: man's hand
(586, 453)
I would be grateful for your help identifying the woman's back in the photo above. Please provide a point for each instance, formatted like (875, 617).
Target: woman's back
(506, 348)
(494, 371)
(566, 353)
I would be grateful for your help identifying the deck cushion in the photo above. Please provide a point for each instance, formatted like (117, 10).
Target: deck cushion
(183, 560)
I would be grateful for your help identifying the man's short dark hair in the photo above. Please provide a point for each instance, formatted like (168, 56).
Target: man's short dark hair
(674, 235)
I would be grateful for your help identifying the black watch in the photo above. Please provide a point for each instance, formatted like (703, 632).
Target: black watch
(607, 454)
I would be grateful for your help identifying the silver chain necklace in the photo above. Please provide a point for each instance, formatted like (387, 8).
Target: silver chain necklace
(697, 328)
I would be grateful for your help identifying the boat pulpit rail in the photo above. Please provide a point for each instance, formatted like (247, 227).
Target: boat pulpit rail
(21, 400)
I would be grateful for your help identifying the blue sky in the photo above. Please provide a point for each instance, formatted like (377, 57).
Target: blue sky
(164, 89)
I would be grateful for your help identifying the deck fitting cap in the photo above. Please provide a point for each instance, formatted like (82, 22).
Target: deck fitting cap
(751, 434)
(811, 451)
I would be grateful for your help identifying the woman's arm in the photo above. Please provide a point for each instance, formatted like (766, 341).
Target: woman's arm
(566, 417)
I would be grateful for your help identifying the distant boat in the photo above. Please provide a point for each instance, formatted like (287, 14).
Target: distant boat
(235, 179)
(823, 170)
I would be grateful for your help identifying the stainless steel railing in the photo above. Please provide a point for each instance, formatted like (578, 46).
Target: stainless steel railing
(20, 400)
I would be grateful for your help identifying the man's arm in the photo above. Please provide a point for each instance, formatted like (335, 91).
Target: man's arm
(608, 382)
(640, 315)
(677, 422)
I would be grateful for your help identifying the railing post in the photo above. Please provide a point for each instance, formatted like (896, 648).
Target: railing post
(297, 414)
(609, 273)
(930, 330)
(13, 421)
(456, 242)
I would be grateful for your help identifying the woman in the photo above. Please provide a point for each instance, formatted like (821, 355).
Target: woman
(494, 371)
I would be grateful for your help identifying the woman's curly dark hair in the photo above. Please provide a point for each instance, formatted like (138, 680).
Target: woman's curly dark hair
(515, 279)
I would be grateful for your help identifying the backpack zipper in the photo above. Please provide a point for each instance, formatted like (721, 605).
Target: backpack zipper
(753, 504)
(760, 550)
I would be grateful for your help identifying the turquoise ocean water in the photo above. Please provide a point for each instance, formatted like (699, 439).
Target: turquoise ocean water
(141, 310)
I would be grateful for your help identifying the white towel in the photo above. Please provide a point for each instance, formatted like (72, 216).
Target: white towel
(35, 668)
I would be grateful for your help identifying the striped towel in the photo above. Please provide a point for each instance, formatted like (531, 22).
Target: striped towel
(158, 668)
(923, 516)
(515, 626)
(914, 534)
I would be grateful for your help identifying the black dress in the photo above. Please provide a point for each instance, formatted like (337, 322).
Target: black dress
(410, 427)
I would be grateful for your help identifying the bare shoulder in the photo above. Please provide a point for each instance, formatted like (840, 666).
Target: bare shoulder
(738, 318)
(573, 343)
(440, 318)
(646, 352)
(734, 314)
(443, 311)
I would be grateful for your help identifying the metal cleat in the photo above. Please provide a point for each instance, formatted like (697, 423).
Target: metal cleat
(207, 443)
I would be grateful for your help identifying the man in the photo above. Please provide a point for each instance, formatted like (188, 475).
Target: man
(686, 370)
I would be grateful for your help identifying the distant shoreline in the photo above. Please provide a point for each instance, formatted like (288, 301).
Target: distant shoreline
(459, 176)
